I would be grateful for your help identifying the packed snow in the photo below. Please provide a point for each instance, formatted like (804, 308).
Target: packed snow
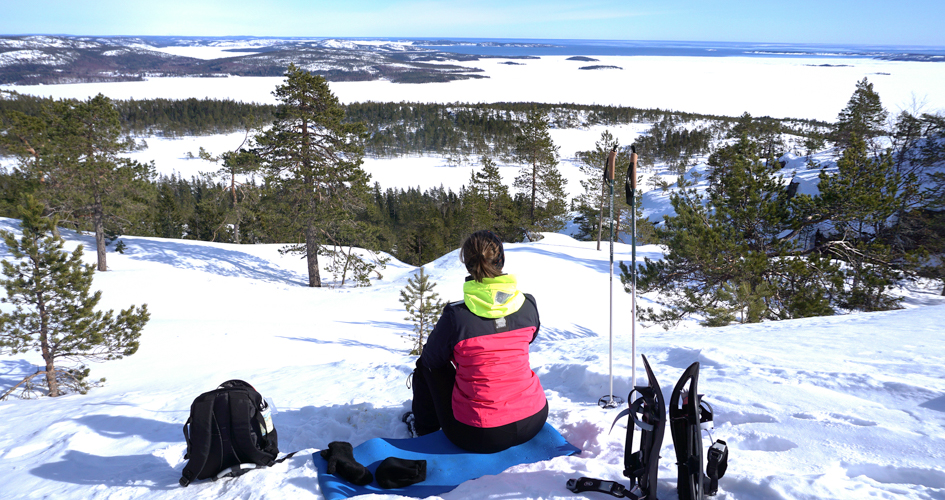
(836, 407)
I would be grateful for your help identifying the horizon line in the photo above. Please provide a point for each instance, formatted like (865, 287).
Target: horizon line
(455, 38)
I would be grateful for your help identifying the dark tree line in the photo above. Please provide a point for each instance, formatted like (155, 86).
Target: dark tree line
(166, 117)
(417, 226)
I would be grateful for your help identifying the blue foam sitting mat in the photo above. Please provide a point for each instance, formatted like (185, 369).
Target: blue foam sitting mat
(448, 466)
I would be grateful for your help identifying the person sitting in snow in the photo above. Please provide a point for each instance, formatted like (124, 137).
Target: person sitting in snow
(473, 378)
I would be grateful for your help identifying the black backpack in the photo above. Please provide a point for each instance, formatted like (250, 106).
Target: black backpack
(230, 433)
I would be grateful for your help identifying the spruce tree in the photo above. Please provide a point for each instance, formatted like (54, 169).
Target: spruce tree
(423, 308)
(312, 157)
(540, 180)
(54, 309)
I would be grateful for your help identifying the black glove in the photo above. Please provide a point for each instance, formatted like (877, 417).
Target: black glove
(396, 472)
(341, 462)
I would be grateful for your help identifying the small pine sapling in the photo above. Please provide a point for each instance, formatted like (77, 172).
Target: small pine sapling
(54, 313)
(423, 309)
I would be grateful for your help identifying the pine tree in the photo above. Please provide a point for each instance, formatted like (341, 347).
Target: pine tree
(54, 311)
(860, 198)
(864, 117)
(423, 308)
(596, 194)
(234, 163)
(313, 158)
(540, 181)
(86, 176)
(734, 256)
(168, 217)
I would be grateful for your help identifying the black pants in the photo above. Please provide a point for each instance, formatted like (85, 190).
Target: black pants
(433, 410)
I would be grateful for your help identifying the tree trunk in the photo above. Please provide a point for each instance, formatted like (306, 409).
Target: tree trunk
(51, 381)
(236, 208)
(311, 255)
(534, 190)
(98, 222)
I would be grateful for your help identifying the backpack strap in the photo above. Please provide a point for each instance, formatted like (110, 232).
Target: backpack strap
(198, 448)
(240, 469)
(243, 412)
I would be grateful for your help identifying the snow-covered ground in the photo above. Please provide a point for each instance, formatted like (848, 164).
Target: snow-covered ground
(778, 87)
(835, 407)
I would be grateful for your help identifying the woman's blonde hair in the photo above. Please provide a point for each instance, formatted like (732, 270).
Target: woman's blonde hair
(483, 255)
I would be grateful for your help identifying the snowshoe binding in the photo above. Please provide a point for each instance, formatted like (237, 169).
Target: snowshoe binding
(648, 413)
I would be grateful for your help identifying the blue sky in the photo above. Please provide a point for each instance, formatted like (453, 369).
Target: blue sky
(903, 22)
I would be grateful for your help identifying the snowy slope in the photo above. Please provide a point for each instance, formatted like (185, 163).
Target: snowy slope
(836, 407)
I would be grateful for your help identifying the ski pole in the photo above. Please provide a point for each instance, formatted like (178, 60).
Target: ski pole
(632, 173)
(609, 177)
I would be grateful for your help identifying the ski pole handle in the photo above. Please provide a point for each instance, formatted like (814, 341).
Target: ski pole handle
(611, 165)
(633, 168)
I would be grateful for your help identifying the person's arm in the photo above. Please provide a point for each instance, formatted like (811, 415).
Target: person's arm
(531, 299)
(438, 351)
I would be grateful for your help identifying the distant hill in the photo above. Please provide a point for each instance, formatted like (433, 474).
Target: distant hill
(31, 60)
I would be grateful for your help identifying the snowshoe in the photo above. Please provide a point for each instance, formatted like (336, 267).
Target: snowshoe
(688, 417)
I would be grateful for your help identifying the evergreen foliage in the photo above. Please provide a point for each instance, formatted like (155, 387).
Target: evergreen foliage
(490, 205)
(858, 201)
(423, 309)
(54, 310)
(591, 203)
(673, 145)
(166, 117)
(863, 118)
(418, 226)
(234, 163)
(750, 251)
(727, 259)
(767, 133)
(69, 155)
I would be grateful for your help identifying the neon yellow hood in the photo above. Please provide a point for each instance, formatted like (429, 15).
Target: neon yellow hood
(494, 297)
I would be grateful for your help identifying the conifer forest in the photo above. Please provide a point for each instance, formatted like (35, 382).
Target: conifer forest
(747, 248)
